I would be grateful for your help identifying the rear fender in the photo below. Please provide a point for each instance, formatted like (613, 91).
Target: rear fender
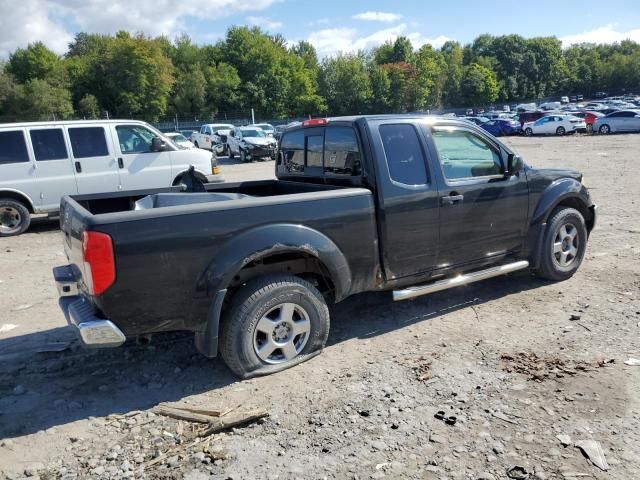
(253, 245)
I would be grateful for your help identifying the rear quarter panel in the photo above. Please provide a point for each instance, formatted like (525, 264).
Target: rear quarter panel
(161, 257)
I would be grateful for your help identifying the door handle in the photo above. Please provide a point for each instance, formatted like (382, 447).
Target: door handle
(451, 199)
(120, 162)
(78, 167)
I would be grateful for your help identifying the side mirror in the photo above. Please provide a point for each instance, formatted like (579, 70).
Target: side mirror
(514, 164)
(158, 145)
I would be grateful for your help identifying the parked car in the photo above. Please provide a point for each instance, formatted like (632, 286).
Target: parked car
(600, 94)
(618, 121)
(589, 118)
(564, 99)
(573, 99)
(477, 120)
(530, 116)
(353, 209)
(580, 98)
(469, 112)
(554, 125)
(267, 127)
(180, 140)
(207, 137)
(550, 106)
(500, 127)
(189, 134)
(251, 143)
(42, 161)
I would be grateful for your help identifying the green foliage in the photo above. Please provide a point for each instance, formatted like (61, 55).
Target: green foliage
(137, 76)
(479, 85)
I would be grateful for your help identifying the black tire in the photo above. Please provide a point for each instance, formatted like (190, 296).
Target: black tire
(14, 217)
(196, 144)
(604, 129)
(528, 132)
(551, 266)
(243, 156)
(560, 131)
(231, 155)
(239, 332)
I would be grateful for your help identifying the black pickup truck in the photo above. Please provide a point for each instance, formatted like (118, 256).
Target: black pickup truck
(405, 203)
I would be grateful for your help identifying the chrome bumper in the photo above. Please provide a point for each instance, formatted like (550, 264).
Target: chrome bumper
(80, 313)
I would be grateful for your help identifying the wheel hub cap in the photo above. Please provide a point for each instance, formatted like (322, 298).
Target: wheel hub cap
(282, 333)
(9, 219)
(566, 245)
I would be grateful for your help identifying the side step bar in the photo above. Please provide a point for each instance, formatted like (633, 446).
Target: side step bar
(464, 279)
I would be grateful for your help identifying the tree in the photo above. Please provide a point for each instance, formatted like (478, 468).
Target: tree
(88, 107)
(7, 87)
(344, 82)
(479, 85)
(38, 100)
(34, 62)
(189, 94)
(453, 58)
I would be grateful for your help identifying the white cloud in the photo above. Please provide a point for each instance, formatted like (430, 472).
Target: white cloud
(607, 34)
(331, 41)
(265, 23)
(26, 21)
(378, 16)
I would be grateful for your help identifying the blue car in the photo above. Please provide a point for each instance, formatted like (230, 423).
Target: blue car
(502, 126)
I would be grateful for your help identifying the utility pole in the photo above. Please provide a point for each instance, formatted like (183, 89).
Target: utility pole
(253, 117)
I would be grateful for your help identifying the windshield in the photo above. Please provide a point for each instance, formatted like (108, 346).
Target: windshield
(177, 137)
(266, 127)
(253, 133)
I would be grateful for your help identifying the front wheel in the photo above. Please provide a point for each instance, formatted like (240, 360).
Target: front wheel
(243, 156)
(196, 144)
(231, 155)
(563, 245)
(14, 217)
(560, 131)
(604, 129)
(273, 323)
(528, 132)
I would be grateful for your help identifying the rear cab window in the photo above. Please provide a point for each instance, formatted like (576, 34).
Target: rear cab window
(13, 147)
(331, 151)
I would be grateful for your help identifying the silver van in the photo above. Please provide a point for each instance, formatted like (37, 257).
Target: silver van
(40, 162)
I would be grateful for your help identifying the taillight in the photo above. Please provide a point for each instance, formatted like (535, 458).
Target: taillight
(315, 122)
(99, 262)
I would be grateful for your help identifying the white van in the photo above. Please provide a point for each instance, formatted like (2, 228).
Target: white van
(40, 162)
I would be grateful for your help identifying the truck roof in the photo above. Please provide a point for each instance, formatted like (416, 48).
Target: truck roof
(354, 118)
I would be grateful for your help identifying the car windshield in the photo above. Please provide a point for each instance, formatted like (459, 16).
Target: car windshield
(253, 133)
(266, 128)
(177, 137)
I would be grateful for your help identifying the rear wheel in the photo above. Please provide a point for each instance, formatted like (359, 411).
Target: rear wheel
(14, 217)
(528, 132)
(563, 245)
(273, 323)
(560, 131)
(604, 129)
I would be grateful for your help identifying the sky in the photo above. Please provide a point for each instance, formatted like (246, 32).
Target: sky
(332, 26)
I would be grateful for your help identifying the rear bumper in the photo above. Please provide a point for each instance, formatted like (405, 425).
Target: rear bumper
(93, 331)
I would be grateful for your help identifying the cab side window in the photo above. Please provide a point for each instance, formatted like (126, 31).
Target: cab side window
(464, 154)
(13, 148)
(134, 139)
(405, 157)
(48, 144)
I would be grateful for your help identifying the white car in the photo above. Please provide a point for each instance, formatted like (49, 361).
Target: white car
(267, 127)
(251, 142)
(620, 121)
(180, 140)
(42, 161)
(208, 137)
(554, 125)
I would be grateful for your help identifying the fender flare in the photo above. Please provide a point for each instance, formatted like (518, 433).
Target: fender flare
(555, 193)
(255, 244)
(182, 172)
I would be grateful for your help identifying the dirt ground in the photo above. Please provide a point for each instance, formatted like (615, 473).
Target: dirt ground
(516, 360)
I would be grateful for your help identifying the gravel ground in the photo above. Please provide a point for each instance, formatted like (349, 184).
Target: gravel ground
(529, 370)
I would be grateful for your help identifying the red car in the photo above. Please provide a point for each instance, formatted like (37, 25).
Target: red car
(589, 118)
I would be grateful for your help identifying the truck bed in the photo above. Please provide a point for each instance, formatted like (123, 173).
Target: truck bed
(172, 250)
